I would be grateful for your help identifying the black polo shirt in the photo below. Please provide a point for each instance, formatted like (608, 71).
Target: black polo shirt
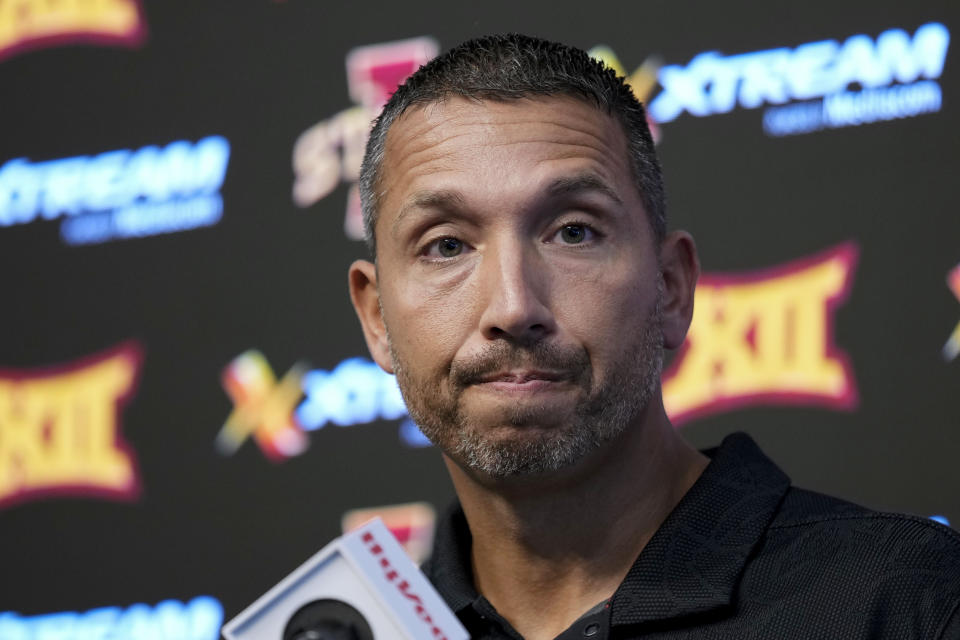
(745, 555)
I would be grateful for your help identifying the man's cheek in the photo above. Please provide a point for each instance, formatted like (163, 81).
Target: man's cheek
(596, 316)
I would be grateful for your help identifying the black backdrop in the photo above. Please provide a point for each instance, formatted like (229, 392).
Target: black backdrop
(270, 275)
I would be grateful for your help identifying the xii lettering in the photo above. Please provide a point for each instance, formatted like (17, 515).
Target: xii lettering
(59, 432)
(765, 339)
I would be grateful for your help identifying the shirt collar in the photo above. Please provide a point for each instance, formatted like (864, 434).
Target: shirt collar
(694, 561)
(449, 567)
(691, 565)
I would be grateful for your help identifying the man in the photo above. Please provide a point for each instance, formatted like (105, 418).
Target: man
(523, 290)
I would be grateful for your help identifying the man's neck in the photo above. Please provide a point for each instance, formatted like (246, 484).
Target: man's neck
(546, 550)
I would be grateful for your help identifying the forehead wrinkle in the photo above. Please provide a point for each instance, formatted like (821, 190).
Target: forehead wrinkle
(545, 133)
(495, 125)
(409, 168)
(585, 181)
(427, 199)
(594, 150)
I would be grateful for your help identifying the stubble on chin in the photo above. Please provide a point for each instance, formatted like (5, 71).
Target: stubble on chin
(520, 445)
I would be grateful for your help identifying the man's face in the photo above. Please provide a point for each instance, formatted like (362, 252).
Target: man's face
(518, 281)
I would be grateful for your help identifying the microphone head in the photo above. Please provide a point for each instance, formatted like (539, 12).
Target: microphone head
(360, 584)
(327, 619)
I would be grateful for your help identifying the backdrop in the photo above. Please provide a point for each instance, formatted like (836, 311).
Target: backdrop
(187, 407)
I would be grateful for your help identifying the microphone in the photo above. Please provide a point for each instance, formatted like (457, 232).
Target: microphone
(361, 586)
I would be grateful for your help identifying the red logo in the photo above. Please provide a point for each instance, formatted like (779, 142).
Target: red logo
(374, 72)
(411, 524)
(402, 585)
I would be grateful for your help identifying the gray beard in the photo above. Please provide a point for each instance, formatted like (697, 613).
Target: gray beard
(605, 414)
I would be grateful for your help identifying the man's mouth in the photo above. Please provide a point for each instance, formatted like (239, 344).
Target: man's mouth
(517, 381)
(520, 376)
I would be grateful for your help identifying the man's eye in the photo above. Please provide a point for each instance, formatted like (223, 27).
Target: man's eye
(448, 247)
(574, 233)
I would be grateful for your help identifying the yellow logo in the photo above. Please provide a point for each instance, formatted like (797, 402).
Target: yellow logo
(60, 429)
(765, 338)
(37, 23)
(642, 81)
(263, 406)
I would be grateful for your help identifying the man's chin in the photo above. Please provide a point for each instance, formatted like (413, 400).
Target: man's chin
(530, 449)
(505, 416)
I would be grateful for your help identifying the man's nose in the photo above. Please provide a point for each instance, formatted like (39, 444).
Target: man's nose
(516, 287)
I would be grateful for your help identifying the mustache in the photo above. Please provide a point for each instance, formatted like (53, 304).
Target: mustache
(502, 356)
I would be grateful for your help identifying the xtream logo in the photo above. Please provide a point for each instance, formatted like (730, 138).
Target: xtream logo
(199, 619)
(278, 413)
(119, 194)
(818, 85)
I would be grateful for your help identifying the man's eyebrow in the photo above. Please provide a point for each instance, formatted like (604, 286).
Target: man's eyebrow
(570, 185)
(444, 199)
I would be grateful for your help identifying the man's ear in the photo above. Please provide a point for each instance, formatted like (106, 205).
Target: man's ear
(681, 268)
(366, 302)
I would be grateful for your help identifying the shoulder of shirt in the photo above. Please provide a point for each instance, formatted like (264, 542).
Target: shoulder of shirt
(802, 508)
(916, 558)
(896, 569)
(812, 515)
